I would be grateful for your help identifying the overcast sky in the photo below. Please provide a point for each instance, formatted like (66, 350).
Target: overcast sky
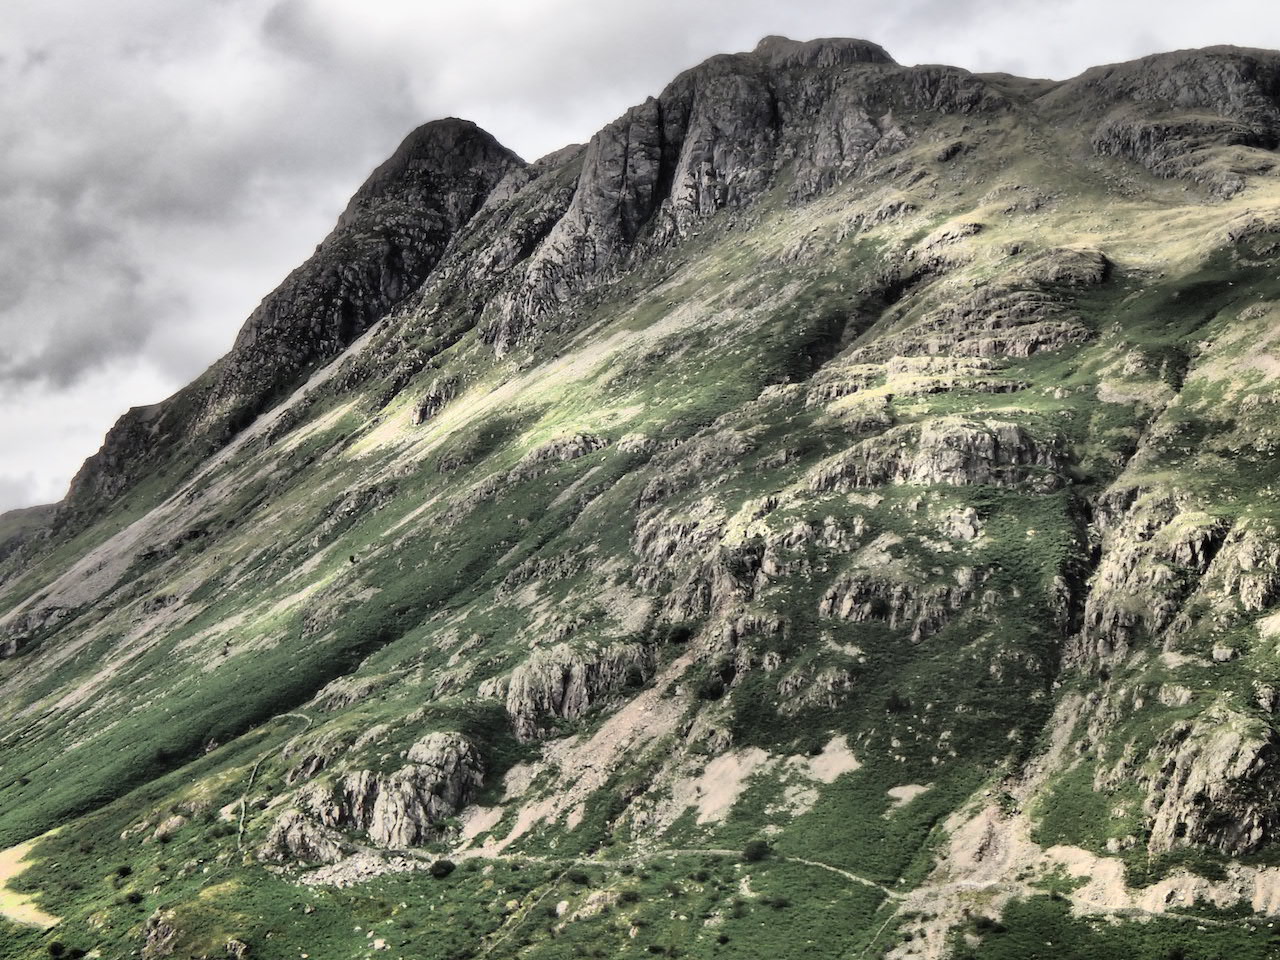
(164, 164)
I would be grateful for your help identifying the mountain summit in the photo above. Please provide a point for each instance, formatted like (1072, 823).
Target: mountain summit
(830, 513)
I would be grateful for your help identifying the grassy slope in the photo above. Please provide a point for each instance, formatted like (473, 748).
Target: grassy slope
(166, 710)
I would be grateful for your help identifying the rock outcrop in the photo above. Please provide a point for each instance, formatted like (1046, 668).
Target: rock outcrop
(1174, 112)
(297, 838)
(159, 935)
(1244, 577)
(394, 810)
(1153, 552)
(952, 451)
(565, 682)
(1209, 782)
(20, 631)
(437, 396)
(862, 596)
(1028, 311)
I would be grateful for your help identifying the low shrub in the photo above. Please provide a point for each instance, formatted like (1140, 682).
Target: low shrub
(756, 850)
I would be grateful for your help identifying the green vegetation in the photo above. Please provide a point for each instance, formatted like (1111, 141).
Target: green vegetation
(1044, 927)
(717, 708)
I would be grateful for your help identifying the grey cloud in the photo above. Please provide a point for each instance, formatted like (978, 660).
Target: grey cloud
(118, 149)
(17, 491)
(289, 28)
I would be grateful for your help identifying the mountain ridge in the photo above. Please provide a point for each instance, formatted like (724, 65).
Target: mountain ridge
(778, 51)
(836, 499)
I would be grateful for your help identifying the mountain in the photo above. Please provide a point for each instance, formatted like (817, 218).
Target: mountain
(832, 513)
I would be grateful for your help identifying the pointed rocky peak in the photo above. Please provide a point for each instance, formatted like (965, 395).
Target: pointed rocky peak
(442, 150)
(825, 52)
(717, 137)
(436, 137)
(384, 245)
(393, 232)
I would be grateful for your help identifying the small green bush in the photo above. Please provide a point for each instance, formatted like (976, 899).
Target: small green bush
(984, 924)
(711, 688)
(678, 633)
(442, 868)
(756, 850)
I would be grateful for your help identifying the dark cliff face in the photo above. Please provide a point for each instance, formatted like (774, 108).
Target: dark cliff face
(138, 444)
(393, 232)
(716, 137)
(800, 115)
(719, 136)
(1168, 110)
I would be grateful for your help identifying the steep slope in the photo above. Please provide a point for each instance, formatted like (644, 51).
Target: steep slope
(386, 242)
(829, 513)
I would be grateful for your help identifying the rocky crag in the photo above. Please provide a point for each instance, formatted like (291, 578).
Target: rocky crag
(834, 506)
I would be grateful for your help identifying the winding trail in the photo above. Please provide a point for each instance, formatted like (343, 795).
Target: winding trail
(244, 797)
(852, 877)
(634, 861)
(524, 914)
(640, 859)
(897, 900)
